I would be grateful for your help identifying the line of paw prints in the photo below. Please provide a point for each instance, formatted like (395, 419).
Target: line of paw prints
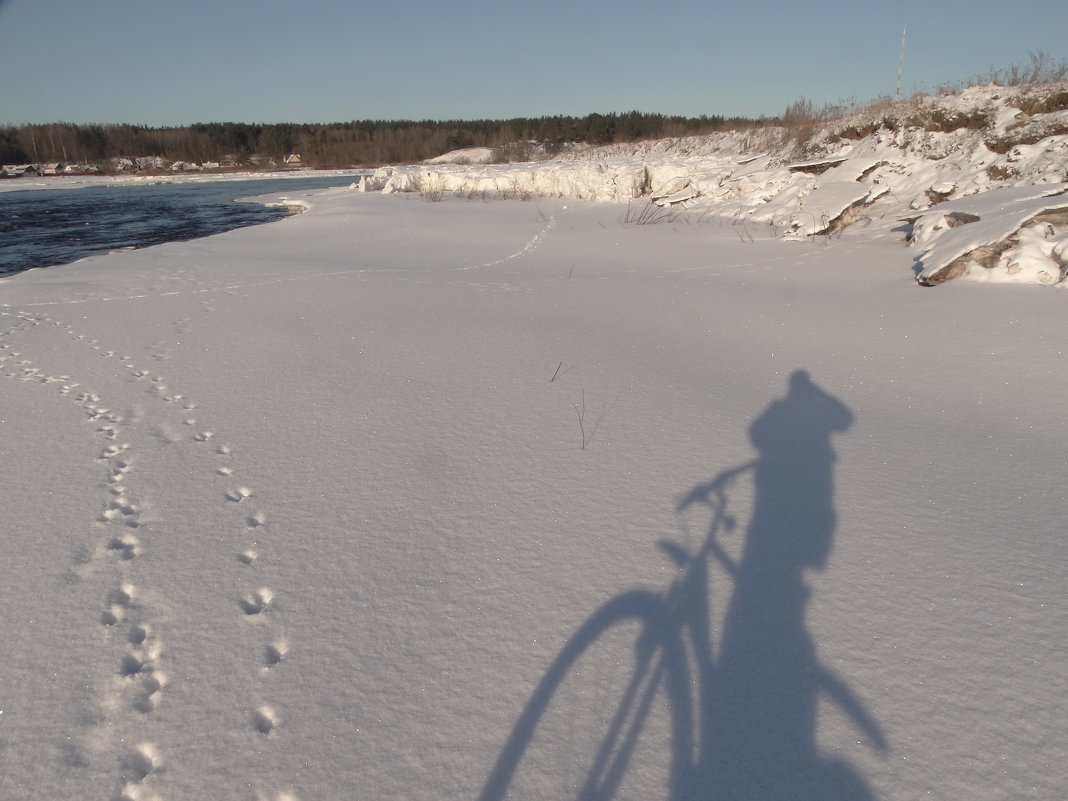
(120, 513)
(140, 679)
(138, 676)
(122, 516)
(256, 604)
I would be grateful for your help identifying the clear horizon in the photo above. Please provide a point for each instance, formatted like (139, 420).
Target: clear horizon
(174, 64)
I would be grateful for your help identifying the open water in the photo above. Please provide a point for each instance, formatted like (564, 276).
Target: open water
(45, 227)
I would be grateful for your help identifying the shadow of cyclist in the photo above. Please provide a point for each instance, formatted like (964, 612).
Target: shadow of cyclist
(759, 721)
(743, 709)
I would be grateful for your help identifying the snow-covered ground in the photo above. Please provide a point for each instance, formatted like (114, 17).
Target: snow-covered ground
(327, 508)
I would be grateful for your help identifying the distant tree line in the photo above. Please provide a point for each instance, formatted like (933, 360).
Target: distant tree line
(342, 144)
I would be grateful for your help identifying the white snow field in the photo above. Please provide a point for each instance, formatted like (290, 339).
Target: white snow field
(366, 504)
(487, 499)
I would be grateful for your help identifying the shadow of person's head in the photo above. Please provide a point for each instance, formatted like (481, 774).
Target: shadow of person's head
(794, 514)
(806, 416)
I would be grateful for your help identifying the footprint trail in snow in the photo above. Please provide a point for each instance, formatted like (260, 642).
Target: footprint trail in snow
(123, 531)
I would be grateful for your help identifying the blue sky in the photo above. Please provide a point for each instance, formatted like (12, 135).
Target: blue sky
(174, 62)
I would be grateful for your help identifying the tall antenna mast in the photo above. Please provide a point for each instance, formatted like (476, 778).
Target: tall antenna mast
(900, 64)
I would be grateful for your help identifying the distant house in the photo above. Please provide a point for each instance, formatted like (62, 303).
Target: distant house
(293, 160)
(79, 169)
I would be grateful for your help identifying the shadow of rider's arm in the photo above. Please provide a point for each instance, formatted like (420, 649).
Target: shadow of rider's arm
(711, 493)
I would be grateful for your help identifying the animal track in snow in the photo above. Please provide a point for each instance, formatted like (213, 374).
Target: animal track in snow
(239, 494)
(138, 681)
(111, 451)
(138, 674)
(138, 671)
(138, 634)
(141, 659)
(149, 692)
(139, 763)
(131, 665)
(136, 767)
(264, 720)
(123, 595)
(128, 546)
(275, 653)
(118, 508)
(119, 469)
(119, 601)
(533, 244)
(257, 602)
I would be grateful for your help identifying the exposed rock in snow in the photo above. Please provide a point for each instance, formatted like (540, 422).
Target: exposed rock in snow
(817, 167)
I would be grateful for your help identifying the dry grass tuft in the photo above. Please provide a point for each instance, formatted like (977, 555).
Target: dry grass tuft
(1042, 68)
(1027, 135)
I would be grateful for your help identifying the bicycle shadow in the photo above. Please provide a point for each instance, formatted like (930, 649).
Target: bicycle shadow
(742, 709)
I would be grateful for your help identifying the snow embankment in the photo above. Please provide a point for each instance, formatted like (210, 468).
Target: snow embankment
(896, 162)
(1016, 234)
(467, 155)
